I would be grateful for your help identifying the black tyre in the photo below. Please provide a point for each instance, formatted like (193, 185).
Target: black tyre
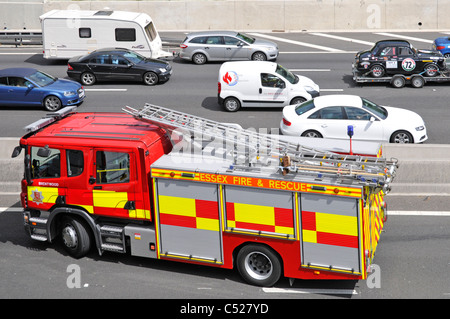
(312, 133)
(377, 71)
(259, 265)
(75, 237)
(87, 78)
(417, 81)
(431, 70)
(297, 100)
(151, 78)
(398, 81)
(259, 56)
(52, 103)
(199, 58)
(231, 104)
(401, 137)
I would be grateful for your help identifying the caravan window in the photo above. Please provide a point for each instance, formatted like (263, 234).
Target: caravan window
(84, 32)
(125, 34)
(151, 31)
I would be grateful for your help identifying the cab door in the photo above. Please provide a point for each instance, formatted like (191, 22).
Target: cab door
(47, 186)
(272, 90)
(112, 182)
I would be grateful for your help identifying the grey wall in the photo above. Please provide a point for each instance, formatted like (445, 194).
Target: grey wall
(261, 15)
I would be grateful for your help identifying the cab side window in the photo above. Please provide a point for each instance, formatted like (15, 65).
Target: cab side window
(112, 167)
(45, 164)
(75, 162)
(270, 80)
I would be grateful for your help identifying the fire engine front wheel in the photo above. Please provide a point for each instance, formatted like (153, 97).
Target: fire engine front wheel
(259, 265)
(75, 237)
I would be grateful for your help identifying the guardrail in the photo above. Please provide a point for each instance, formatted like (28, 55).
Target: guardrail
(20, 38)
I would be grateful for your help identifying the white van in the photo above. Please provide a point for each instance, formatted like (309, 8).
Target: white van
(68, 33)
(260, 84)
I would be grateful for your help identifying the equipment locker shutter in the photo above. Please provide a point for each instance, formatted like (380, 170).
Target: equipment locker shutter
(188, 215)
(330, 233)
(260, 211)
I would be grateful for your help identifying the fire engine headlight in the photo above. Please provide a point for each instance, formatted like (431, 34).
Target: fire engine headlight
(69, 93)
(420, 128)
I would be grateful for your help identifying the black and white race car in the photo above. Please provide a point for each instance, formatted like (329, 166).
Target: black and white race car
(390, 57)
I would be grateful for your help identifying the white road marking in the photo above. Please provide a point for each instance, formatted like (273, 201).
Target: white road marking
(310, 70)
(342, 38)
(316, 52)
(401, 36)
(418, 213)
(105, 90)
(331, 90)
(310, 291)
(319, 47)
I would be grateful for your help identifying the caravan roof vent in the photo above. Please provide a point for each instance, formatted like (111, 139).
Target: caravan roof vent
(103, 13)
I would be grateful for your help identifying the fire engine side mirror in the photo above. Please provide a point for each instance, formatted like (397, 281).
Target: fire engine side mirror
(16, 151)
(92, 180)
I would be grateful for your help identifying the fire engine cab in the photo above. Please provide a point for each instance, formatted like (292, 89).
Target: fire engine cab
(163, 184)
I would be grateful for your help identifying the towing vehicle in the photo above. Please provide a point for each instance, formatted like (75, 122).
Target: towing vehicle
(163, 184)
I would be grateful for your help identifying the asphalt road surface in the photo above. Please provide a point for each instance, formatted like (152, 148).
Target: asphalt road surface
(412, 259)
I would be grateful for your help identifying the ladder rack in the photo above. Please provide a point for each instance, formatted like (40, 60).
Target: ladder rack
(258, 147)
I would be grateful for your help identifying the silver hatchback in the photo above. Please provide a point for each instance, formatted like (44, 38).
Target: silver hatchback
(200, 47)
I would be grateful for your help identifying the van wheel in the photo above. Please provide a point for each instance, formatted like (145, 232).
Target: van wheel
(87, 78)
(75, 237)
(199, 58)
(298, 100)
(231, 104)
(150, 78)
(259, 56)
(259, 265)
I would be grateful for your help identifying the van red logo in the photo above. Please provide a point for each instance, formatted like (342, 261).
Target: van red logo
(230, 78)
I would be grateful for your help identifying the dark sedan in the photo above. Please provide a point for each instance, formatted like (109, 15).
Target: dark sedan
(390, 57)
(27, 86)
(117, 65)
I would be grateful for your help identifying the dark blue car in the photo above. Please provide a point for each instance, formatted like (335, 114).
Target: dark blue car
(442, 44)
(27, 86)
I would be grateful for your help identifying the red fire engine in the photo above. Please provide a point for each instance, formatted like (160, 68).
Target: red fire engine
(207, 193)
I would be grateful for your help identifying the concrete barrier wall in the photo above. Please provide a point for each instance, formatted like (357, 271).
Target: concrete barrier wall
(258, 15)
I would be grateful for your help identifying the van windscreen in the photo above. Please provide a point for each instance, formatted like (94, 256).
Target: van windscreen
(288, 75)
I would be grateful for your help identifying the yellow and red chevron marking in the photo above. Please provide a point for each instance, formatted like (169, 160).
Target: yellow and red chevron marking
(260, 218)
(258, 182)
(330, 229)
(188, 212)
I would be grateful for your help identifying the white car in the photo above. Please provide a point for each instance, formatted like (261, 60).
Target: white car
(329, 117)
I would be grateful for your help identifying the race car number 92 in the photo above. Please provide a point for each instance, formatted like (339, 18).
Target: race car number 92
(408, 64)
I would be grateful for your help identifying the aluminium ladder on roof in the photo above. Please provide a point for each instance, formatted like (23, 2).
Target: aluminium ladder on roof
(297, 158)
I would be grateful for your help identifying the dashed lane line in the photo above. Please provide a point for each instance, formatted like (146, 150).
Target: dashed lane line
(332, 36)
(278, 39)
(402, 36)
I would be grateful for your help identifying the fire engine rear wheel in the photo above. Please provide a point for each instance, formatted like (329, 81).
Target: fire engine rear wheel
(75, 237)
(259, 265)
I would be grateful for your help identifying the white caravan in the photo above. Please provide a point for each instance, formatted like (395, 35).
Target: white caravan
(68, 33)
(260, 84)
